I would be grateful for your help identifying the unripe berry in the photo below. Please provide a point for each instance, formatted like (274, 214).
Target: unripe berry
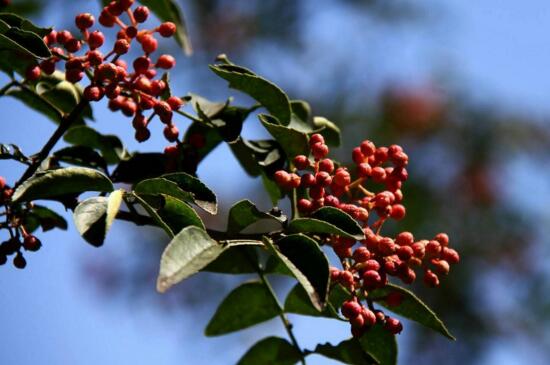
(33, 73)
(174, 102)
(367, 148)
(167, 29)
(393, 325)
(96, 39)
(166, 62)
(93, 93)
(149, 44)
(351, 308)
(142, 135)
(84, 21)
(141, 64)
(141, 13)
(431, 279)
(121, 46)
(171, 133)
(19, 261)
(301, 162)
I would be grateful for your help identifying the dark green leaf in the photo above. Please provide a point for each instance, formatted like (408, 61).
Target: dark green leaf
(348, 352)
(152, 212)
(329, 130)
(202, 195)
(249, 304)
(158, 186)
(168, 10)
(188, 252)
(302, 109)
(380, 344)
(308, 263)
(328, 220)
(245, 156)
(412, 308)
(94, 216)
(238, 257)
(292, 141)
(15, 20)
(19, 40)
(46, 218)
(52, 183)
(81, 156)
(34, 101)
(209, 139)
(262, 90)
(244, 213)
(297, 301)
(174, 212)
(208, 108)
(140, 166)
(274, 191)
(271, 351)
(110, 146)
(275, 266)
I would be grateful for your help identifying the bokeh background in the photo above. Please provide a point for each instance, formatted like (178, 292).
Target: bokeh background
(463, 86)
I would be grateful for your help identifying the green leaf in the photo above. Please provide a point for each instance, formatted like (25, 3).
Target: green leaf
(195, 154)
(94, 216)
(328, 220)
(69, 180)
(247, 305)
(274, 191)
(34, 101)
(44, 217)
(292, 141)
(271, 351)
(188, 252)
(81, 156)
(412, 308)
(202, 195)
(208, 108)
(380, 344)
(159, 185)
(174, 212)
(297, 301)
(329, 130)
(308, 263)
(245, 156)
(348, 352)
(140, 166)
(168, 10)
(12, 152)
(14, 20)
(24, 41)
(302, 109)
(152, 212)
(238, 257)
(262, 90)
(110, 146)
(244, 213)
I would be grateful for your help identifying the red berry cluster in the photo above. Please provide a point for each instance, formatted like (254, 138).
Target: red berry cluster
(368, 263)
(16, 231)
(133, 93)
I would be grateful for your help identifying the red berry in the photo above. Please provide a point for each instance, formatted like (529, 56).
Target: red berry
(171, 133)
(19, 261)
(441, 266)
(369, 317)
(361, 254)
(308, 180)
(364, 169)
(126, 4)
(398, 212)
(393, 325)
(371, 279)
(351, 308)
(106, 19)
(166, 62)
(431, 279)
(342, 177)
(73, 45)
(174, 102)
(131, 32)
(367, 148)
(404, 239)
(139, 122)
(326, 165)
(304, 205)
(330, 200)
(33, 73)
(357, 156)
(141, 13)
(346, 279)
(378, 174)
(301, 162)
(167, 29)
(93, 93)
(322, 178)
(74, 75)
(149, 44)
(141, 64)
(450, 255)
(121, 46)
(319, 150)
(2, 182)
(31, 243)
(84, 21)
(443, 239)
(94, 57)
(433, 248)
(96, 39)
(316, 138)
(282, 178)
(64, 36)
(142, 135)
(317, 192)
(129, 108)
(405, 252)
